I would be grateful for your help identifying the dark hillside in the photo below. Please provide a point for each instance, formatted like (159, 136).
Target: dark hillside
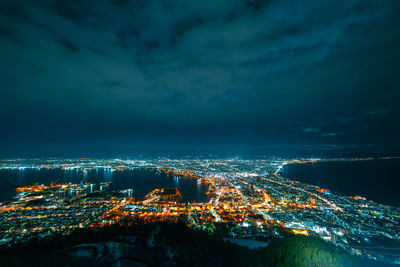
(173, 245)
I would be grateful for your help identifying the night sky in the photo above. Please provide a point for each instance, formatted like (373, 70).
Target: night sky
(98, 77)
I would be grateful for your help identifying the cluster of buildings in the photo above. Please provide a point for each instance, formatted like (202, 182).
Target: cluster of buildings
(246, 199)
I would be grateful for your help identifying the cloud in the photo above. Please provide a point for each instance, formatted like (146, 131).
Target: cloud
(310, 130)
(263, 68)
(330, 134)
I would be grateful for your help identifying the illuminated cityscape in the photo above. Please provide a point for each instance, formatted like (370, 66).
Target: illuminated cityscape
(246, 199)
(199, 133)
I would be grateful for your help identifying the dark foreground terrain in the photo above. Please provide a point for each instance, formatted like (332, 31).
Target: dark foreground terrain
(173, 245)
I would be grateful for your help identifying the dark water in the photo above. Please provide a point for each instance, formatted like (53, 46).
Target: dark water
(378, 180)
(141, 180)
